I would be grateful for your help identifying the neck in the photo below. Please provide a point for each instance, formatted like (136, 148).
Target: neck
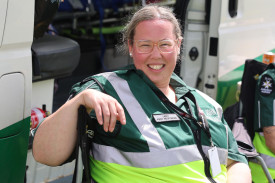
(169, 93)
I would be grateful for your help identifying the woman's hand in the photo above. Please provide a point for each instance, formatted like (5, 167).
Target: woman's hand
(108, 110)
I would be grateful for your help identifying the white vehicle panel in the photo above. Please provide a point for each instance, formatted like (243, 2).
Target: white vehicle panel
(11, 85)
(238, 34)
(19, 19)
(15, 51)
(3, 10)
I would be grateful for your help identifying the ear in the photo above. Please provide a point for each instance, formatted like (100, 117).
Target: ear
(179, 45)
(179, 42)
(130, 47)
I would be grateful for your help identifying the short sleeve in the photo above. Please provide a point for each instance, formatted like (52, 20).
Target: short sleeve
(233, 152)
(85, 84)
(76, 89)
(33, 131)
(264, 101)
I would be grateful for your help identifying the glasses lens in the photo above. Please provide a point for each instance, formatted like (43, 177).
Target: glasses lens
(144, 46)
(166, 46)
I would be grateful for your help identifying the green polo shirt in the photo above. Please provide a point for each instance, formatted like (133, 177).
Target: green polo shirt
(175, 133)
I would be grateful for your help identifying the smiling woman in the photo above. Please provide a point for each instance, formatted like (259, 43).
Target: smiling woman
(150, 126)
(156, 64)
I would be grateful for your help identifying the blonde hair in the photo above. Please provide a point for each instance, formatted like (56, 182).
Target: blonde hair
(149, 12)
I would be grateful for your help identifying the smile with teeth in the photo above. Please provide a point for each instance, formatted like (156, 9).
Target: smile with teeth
(156, 67)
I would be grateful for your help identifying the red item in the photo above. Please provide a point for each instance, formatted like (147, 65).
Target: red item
(37, 115)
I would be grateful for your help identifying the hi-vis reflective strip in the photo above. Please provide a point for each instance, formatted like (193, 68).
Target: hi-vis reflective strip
(156, 159)
(269, 161)
(136, 112)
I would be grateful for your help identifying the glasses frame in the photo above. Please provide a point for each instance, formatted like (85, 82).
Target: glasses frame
(155, 44)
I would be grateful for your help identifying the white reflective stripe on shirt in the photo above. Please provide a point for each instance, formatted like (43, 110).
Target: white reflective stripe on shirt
(223, 153)
(143, 123)
(269, 160)
(156, 159)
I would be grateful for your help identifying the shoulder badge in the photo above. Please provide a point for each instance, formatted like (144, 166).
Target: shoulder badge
(266, 85)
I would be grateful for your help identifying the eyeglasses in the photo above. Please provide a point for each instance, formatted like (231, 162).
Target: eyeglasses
(164, 46)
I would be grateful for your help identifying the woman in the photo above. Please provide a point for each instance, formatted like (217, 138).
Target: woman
(160, 142)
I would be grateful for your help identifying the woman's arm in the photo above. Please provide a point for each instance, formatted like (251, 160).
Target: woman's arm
(55, 138)
(238, 172)
(269, 135)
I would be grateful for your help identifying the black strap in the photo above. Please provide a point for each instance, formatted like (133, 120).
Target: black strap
(271, 66)
(73, 94)
(85, 124)
(84, 143)
(95, 80)
(202, 120)
(201, 124)
(197, 134)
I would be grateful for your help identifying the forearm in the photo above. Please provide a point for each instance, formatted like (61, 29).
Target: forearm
(271, 145)
(55, 138)
(269, 135)
(238, 172)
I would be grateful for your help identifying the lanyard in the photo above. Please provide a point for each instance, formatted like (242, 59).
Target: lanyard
(202, 120)
(201, 123)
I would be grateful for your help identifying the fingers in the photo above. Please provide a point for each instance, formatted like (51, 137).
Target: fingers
(121, 114)
(117, 113)
(111, 113)
(107, 115)
(112, 118)
(108, 111)
(98, 113)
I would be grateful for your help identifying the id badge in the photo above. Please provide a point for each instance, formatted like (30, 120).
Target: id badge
(165, 117)
(214, 161)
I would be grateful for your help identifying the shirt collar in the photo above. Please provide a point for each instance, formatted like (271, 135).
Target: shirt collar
(175, 81)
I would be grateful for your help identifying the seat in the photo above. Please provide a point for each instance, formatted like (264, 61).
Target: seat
(54, 57)
(252, 69)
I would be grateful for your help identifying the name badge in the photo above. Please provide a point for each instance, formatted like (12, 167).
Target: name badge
(165, 117)
(214, 161)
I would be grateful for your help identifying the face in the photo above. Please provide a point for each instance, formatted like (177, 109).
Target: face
(157, 66)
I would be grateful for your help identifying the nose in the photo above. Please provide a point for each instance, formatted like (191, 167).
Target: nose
(155, 52)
